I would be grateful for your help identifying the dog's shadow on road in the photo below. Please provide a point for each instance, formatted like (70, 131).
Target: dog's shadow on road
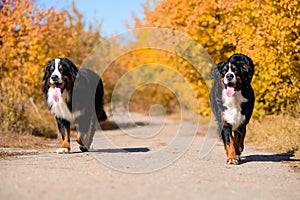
(122, 150)
(112, 125)
(268, 158)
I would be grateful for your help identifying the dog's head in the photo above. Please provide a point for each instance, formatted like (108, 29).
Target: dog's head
(59, 69)
(229, 75)
(60, 73)
(237, 70)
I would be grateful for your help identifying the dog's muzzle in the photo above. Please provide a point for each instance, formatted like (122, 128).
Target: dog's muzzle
(55, 79)
(229, 78)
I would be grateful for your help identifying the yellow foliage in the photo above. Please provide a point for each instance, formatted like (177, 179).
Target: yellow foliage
(267, 31)
(29, 38)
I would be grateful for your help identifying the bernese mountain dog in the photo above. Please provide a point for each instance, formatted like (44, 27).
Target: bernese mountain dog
(232, 101)
(74, 96)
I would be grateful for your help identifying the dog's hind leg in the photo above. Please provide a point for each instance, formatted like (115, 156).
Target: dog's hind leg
(79, 140)
(86, 132)
(243, 135)
(237, 139)
(90, 135)
(239, 136)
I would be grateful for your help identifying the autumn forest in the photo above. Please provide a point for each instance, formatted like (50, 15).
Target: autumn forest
(265, 30)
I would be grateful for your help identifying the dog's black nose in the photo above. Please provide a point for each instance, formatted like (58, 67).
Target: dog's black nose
(229, 76)
(54, 77)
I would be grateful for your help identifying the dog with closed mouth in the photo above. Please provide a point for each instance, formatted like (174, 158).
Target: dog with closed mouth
(232, 101)
(74, 96)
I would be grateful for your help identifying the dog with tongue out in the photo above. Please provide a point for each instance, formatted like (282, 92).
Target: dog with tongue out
(75, 97)
(229, 91)
(57, 93)
(232, 102)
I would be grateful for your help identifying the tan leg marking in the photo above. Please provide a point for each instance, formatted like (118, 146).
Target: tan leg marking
(78, 140)
(66, 142)
(230, 150)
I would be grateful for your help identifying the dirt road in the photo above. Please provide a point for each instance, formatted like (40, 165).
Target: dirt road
(101, 173)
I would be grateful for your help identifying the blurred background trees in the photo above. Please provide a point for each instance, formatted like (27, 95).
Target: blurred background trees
(29, 38)
(267, 31)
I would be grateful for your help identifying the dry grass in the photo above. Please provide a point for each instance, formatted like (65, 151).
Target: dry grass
(279, 133)
(21, 123)
(40, 121)
(23, 140)
(4, 154)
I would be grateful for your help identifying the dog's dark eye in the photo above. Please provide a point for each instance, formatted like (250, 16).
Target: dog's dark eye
(245, 67)
(224, 71)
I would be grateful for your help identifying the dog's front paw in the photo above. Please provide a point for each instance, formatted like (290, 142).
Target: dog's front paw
(83, 148)
(62, 150)
(232, 161)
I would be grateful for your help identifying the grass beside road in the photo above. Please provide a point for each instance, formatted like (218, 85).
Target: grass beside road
(278, 133)
(22, 140)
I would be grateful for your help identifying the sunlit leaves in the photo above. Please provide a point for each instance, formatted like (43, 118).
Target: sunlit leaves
(267, 31)
(29, 38)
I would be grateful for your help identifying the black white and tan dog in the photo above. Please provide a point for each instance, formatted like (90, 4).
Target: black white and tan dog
(232, 102)
(74, 96)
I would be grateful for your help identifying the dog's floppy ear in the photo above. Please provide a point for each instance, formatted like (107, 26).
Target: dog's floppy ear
(45, 75)
(72, 67)
(246, 65)
(216, 71)
(46, 71)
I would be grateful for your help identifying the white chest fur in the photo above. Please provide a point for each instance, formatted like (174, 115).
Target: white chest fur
(60, 108)
(233, 113)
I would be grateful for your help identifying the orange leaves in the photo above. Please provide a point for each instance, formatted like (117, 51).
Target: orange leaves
(267, 31)
(29, 37)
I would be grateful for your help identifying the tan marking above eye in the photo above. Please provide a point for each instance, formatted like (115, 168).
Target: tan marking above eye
(60, 67)
(52, 68)
(225, 68)
(233, 67)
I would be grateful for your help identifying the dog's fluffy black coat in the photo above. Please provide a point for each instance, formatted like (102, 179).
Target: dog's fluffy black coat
(232, 101)
(74, 96)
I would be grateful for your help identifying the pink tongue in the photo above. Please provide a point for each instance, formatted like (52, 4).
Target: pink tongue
(57, 94)
(229, 91)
